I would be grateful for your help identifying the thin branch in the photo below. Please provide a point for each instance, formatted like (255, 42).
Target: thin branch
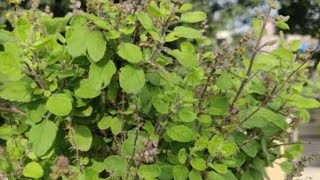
(12, 110)
(253, 57)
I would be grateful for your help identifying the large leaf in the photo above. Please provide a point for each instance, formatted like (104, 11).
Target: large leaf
(180, 133)
(100, 73)
(19, 91)
(81, 137)
(9, 67)
(132, 79)
(59, 104)
(96, 45)
(193, 17)
(130, 52)
(198, 164)
(42, 136)
(77, 42)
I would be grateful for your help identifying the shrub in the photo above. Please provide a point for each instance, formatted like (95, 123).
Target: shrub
(129, 90)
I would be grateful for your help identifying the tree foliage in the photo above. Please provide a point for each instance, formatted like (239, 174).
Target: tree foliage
(128, 91)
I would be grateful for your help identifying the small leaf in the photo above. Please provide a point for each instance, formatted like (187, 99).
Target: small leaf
(81, 137)
(130, 52)
(42, 136)
(286, 167)
(145, 20)
(214, 144)
(180, 133)
(182, 156)
(132, 79)
(59, 104)
(219, 105)
(283, 25)
(116, 126)
(149, 171)
(33, 170)
(100, 73)
(105, 123)
(198, 164)
(96, 45)
(193, 17)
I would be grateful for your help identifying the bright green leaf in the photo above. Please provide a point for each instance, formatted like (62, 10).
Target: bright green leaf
(59, 104)
(180, 133)
(193, 17)
(130, 52)
(100, 74)
(33, 170)
(132, 79)
(96, 45)
(81, 137)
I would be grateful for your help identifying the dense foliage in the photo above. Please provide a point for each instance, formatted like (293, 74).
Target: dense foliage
(129, 90)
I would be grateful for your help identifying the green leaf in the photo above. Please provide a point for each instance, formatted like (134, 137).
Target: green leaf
(23, 28)
(251, 149)
(145, 20)
(100, 74)
(215, 176)
(193, 17)
(228, 148)
(9, 67)
(161, 103)
(182, 156)
(154, 10)
(130, 52)
(198, 164)
(187, 56)
(81, 137)
(265, 117)
(303, 102)
(77, 42)
(284, 54)
(180, 172)
(219, 105)
(6, 131)
(283, 25)
(186, 114)
(132, 79)
(59, 104)
(214, 144)
(19, 91)
(256, 25)
(96, 45)
(105, 123)
(33, 170)
(116, 126)
(100, 23)
(195, 175)
(180, 133)
(187, 32)
(35, 111)
(294, 151)
(220, 168)
(85, 90)
(286, 167)
(149, 171)
(42, 136)
(224, 81)
(201, 143)
(116, 165)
